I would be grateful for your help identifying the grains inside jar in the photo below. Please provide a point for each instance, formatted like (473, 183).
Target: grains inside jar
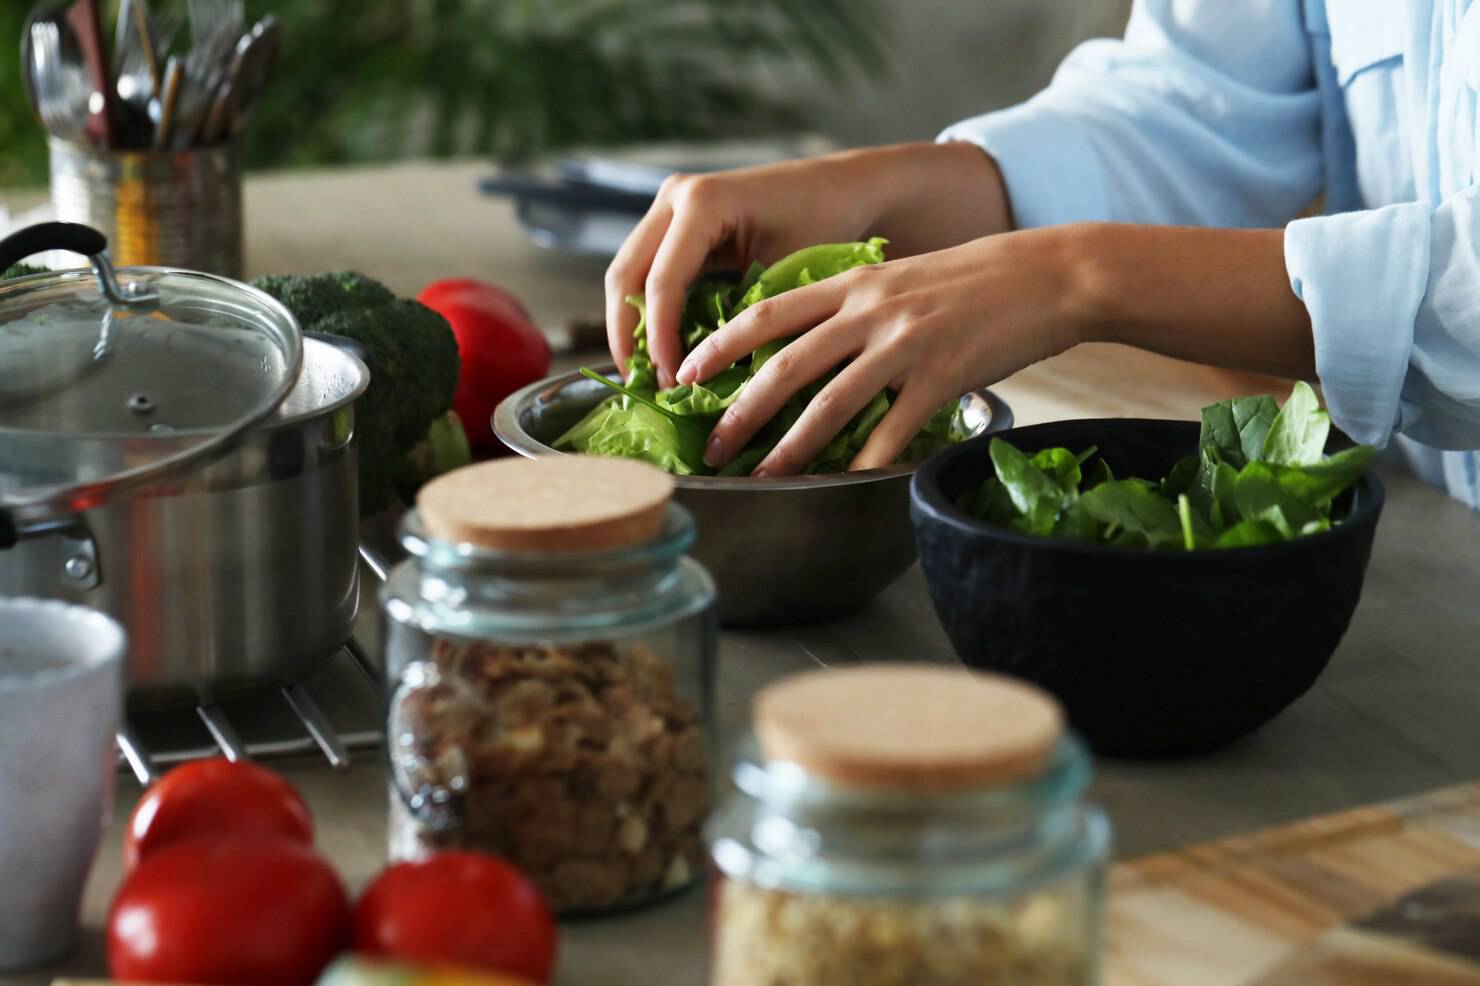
(779, 938)
(580, 763)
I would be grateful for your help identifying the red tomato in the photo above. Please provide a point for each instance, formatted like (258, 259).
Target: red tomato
(231, 911)
(500, 347)
(215, 797)
(462, 908)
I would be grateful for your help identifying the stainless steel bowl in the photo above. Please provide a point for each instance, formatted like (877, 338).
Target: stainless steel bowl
(783, 551)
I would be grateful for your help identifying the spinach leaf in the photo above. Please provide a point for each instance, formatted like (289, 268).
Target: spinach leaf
(578, 436)
(1236, 491)
(1318, 483)
(808, 266)
(1135, 507)
(682, 443)
(1183, 477)
(642, 374)
(1248, 533)
(709, 399)
(1224, 508)
(1034, 493)
(1257, 493)
(1060, 465)
(945, 428)
(838, 454)
(1076, 521)
(989, 502)
(641, 433)
(746, 460)
(1237, 429)
(1298, 435)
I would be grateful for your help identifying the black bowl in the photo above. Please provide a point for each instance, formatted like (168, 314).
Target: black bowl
(1153, 653)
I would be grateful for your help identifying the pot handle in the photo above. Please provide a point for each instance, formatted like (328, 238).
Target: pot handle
(50, 236)
(76, 238)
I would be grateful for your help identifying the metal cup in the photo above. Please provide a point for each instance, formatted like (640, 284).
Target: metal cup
(61, 688)
(157, 208)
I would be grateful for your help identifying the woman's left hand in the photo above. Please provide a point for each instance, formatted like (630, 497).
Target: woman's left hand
(929, 328)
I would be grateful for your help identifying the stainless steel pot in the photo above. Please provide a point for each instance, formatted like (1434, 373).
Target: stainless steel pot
(226, 546)
(241, 571)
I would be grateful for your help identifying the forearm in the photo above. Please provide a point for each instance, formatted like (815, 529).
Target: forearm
(1215, 296)
(930, 196)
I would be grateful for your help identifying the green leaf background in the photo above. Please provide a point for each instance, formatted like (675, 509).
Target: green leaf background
(513, 79)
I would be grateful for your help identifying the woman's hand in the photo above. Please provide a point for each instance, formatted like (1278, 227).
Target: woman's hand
(921, 196)
(936, 326)
(929, 328)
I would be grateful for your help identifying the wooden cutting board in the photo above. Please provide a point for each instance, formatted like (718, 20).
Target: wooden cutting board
(1380, 896)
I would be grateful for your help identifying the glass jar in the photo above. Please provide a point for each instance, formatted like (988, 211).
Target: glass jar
(554, 709)
(823, 883)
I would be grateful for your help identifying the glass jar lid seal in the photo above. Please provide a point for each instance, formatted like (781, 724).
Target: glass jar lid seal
(909, 728)
(553, 504)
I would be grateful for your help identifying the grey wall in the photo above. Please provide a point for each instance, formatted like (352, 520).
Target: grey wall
(957, 58)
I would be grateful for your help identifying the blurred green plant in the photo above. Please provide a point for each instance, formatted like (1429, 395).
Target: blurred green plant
(364, 80)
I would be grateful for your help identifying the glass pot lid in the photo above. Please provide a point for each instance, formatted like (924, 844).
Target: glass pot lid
(112, 380)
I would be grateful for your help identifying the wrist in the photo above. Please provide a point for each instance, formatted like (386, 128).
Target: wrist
(1093, 292)
(930, 196)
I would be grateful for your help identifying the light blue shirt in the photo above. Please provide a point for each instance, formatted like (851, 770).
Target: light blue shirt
(1242, 113)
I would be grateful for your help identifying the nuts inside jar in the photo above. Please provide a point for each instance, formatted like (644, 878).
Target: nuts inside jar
(779, 938)
(580, 763)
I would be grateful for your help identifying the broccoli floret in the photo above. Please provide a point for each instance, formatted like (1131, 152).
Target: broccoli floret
(414, 367)
(22, 270)
(442, 449)
(311, 297)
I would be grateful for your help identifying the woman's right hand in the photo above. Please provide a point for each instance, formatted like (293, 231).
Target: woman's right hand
(921, 197)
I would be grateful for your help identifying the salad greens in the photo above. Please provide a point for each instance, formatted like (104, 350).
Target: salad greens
(669, 427)
(1260, 476)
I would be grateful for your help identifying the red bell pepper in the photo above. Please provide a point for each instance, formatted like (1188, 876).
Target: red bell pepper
(500, 347)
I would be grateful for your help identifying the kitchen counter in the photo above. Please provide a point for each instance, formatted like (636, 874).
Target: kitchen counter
(1393, 715)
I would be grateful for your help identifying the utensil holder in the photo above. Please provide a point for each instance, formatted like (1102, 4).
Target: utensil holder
(157, 208)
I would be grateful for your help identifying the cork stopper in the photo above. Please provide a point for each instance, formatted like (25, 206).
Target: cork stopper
(907, 727)
(549, 504)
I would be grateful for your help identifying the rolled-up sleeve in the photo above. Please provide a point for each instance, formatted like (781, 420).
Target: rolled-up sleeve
(1394, 301)
(1206, 113)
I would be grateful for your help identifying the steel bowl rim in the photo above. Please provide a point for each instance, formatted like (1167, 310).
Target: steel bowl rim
(506, 426)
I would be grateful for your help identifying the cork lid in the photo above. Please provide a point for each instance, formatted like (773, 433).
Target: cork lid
(549, 504)
(908, 727)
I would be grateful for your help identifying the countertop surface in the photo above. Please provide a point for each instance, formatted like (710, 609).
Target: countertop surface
(1393, 715)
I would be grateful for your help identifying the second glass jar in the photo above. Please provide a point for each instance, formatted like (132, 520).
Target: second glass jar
(555, 710)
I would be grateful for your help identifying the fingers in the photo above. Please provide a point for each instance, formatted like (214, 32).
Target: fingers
(679, 260)
(785, 315)
(911, 408)
(626, 275)
(800, 363)
(825, 417)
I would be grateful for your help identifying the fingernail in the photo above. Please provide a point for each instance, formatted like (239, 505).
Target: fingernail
(665, 379)
(687, 373)
(714, 452)
(759, 473)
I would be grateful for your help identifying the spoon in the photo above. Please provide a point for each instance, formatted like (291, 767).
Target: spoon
(31, 68)
(250, 68)
(63, 92)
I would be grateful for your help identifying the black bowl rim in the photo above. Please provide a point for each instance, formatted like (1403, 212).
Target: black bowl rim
(927, 497)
